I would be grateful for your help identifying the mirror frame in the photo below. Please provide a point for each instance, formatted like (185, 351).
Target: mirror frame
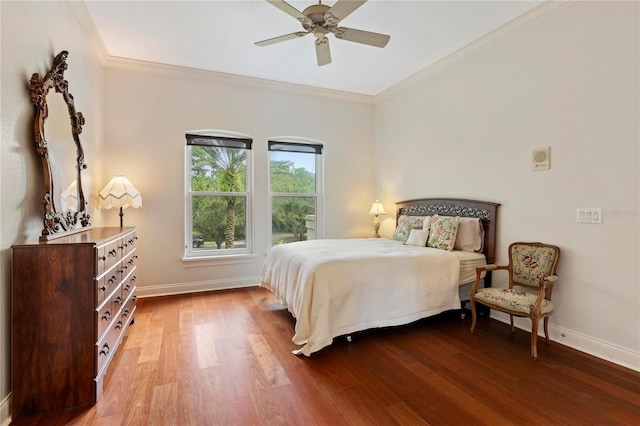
(58, 223)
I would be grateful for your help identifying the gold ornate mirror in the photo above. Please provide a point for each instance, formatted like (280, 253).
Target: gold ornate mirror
(65, 208)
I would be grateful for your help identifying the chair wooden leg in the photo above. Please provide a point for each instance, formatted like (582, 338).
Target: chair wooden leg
(472, 306)
(513, 329)
(534, 337)
(546, 329)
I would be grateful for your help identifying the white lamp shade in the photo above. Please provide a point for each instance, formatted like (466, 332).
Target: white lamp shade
(377, 208)
(119, 192)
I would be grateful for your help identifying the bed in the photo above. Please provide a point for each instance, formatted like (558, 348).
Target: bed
(336, 287)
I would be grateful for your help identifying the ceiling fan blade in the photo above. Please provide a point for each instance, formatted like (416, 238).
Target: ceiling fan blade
(341, 10)
(290, 10)
(281, 38)
(364, 37)
(323, 54)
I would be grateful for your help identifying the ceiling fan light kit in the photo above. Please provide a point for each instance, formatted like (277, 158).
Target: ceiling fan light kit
(321, 20)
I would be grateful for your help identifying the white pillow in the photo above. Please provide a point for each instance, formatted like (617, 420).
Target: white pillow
(470, 236)
(418, 237)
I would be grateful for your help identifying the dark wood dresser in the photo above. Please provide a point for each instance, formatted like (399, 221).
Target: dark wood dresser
(73, 298)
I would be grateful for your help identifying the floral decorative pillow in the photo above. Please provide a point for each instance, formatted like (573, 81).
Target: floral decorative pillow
(406, 224)
(443, 232)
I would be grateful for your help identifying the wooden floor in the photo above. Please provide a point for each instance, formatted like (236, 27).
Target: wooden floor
(224, 358)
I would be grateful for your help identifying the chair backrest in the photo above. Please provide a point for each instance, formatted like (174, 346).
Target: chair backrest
(531, 261)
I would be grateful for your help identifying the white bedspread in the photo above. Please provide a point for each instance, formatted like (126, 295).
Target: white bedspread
(337, 287)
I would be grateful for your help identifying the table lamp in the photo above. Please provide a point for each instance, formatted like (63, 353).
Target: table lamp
(376, 209)
(119, 192)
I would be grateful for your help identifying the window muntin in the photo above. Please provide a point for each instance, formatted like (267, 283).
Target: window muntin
(296, 191)
(218, 195)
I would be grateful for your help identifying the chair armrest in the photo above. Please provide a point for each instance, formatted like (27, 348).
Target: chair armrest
(545, 287)
(490, 267)
(479, 271)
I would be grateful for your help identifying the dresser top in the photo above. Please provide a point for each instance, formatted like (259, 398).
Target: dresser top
(90, 236)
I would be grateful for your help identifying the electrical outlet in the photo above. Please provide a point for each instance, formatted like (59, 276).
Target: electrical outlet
(589, 215)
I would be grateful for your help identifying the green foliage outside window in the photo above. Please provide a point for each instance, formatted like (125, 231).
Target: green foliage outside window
(219, 219)
(288, 212)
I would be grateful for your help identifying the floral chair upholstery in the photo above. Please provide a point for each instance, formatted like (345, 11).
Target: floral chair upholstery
(532, 266)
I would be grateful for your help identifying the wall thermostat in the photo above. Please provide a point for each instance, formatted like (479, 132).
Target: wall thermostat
(540, 158)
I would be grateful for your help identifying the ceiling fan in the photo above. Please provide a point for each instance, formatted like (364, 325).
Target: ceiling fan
(321, 20)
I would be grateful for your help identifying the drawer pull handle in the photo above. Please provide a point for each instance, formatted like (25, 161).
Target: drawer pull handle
(106, 316)
(105, 349)
(103, 287)
(134, 279)
(113, 279)
(113, 252)
(103, 258)
(119, 325)
(117, 300)
(125, 313)
(127, 288)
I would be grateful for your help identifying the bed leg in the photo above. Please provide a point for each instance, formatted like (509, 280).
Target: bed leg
(349, 338)
(461, 312)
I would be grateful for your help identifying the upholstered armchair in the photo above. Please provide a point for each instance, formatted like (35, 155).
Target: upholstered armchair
(532, 268)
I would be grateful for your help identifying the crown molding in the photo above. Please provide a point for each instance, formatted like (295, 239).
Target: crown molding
(232, 79)
(487, 40)
(108, 61)
(89, 28)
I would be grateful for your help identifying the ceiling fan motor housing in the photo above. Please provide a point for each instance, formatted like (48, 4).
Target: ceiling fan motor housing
(316, 14)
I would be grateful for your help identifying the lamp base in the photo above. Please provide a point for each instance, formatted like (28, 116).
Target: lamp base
(376, 227)
(121, 216)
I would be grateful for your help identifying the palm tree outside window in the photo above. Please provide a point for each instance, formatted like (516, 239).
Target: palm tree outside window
(218, 193)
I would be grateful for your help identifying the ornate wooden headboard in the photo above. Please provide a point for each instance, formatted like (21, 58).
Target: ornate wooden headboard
(484, 210)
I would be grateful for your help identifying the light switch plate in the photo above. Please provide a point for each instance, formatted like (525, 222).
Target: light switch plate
(589, 215)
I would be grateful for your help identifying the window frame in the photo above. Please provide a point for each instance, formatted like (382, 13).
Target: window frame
(306, 146)
(225, 139)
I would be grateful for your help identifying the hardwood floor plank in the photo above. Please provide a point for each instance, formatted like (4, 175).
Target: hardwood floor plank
(404, 415)
(241, 413)
(224, 358)
(164, 410)
(269, 365)
(150, 349)
(205, 345)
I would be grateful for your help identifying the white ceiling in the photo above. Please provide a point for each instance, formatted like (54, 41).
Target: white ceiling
(220, 35)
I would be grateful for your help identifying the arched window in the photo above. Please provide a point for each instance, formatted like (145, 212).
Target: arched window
(218, 205)
(295, 182)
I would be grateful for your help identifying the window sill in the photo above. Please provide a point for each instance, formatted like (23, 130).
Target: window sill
(234, 259)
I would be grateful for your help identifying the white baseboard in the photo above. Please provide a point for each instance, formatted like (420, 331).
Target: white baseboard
(195, 287)
(587, 344)
(5, 411)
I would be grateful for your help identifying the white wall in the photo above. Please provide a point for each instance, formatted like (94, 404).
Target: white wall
(467, 126)
(32, 34)
(149, 108)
